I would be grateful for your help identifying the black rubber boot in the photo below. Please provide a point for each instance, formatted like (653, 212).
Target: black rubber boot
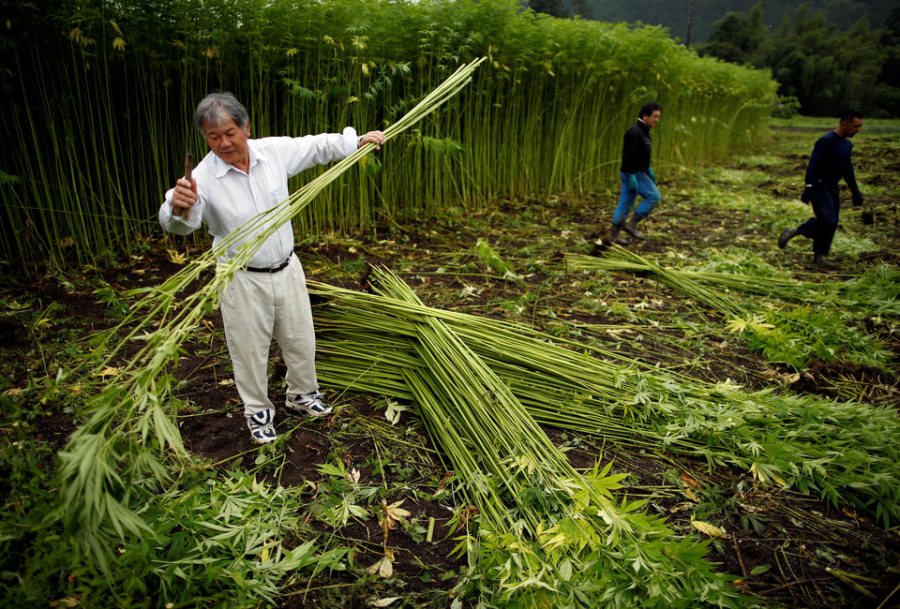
(631, 228)
(787, 235)
(614, 235)
(819, 260)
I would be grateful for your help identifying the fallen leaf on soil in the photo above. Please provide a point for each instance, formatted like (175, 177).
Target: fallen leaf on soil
(392, 414)
(226, 382)
(616, 332)
(109, 371)
(689, 481)
(385, 602)
(690, 495)
(758, 475)
(385, 566)
(708, 529)
(393, 513)
(176, 257)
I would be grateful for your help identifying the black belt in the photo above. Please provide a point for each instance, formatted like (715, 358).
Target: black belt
(274, 269)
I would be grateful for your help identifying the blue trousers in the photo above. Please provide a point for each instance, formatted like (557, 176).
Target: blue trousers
(646, 189)
(826, 204)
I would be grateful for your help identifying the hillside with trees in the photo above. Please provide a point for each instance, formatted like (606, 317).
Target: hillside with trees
(821, 68)
(694, 20)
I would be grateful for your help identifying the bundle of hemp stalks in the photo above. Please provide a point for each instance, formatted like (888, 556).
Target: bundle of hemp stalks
(547, 535)
(876, 290)
(847, 453)
(688, 282)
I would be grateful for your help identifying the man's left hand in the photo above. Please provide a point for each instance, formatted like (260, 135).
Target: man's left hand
(651, 174)
(372, 137)
(857, 199)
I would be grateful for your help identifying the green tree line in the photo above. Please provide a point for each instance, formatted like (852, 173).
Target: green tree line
(694, 20)
(101, 94)
(825, 69)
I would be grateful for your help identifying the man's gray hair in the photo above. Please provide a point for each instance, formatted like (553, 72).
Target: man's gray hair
(218, 108)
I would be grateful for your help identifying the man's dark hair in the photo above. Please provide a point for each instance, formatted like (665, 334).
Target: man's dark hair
(648, 109)
(850, 116)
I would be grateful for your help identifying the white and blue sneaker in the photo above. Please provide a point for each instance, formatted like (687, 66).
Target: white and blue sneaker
(310, 403)
(261, 428)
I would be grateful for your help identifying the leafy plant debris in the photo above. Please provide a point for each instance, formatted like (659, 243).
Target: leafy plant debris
(759, 424)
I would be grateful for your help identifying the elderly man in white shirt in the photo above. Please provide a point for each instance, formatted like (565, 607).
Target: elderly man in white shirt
(237, 180)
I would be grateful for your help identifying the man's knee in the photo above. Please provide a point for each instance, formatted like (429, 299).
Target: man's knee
(651, 197)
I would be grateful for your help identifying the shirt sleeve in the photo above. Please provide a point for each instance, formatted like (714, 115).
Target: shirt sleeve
(176, 224)
(300, 153)
(850, 177)
(815, 159)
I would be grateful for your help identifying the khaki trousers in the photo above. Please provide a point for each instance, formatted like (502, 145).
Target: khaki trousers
(257, 307)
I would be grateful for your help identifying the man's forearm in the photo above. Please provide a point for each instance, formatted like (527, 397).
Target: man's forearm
(176, 224)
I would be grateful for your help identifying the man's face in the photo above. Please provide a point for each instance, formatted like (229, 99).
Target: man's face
(229, 142)
(851, 127)
(651, 120)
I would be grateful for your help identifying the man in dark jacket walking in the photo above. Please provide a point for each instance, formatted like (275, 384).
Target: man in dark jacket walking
(637, 176)
(830, 161)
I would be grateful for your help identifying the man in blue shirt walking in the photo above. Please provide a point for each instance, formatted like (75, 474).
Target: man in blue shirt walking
(830, 161)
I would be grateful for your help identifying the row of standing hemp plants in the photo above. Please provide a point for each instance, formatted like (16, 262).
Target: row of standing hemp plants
(101, 96)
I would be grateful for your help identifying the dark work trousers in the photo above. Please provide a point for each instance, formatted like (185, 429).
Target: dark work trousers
(826, 204)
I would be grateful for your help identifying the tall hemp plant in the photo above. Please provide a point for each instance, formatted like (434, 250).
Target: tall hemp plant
(102, 106)
(119, 454)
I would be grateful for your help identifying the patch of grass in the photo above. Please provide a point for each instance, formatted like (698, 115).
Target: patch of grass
(877, 125)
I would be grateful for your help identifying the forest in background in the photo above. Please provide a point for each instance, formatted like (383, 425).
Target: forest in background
(702, 15)
(821, 69)
(827, 56)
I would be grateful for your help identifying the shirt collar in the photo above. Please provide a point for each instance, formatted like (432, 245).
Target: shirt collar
(256, 155)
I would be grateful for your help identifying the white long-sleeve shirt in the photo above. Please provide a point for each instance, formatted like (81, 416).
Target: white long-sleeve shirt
(228, 197)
